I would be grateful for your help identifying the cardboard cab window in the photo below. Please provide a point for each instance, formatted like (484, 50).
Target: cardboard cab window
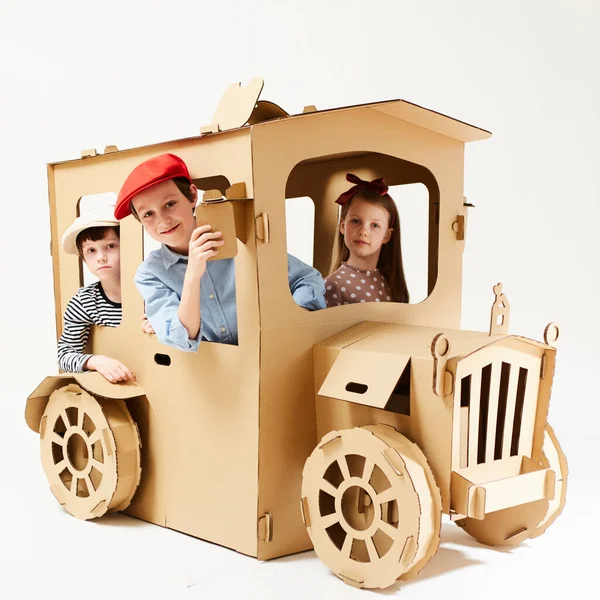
(349, 430)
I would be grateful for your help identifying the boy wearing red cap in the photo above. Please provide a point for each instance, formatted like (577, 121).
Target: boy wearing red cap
(187, 298)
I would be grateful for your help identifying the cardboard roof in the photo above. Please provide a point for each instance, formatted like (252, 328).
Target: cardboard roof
(420, 116)
(429, 119)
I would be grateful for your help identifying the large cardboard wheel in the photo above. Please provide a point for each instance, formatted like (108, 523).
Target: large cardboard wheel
(90, 450)
(371, 506)
(553, 458)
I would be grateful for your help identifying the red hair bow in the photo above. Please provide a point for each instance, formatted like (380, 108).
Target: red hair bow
(377, 185)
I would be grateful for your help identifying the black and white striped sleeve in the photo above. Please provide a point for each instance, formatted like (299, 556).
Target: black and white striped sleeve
(76, 330)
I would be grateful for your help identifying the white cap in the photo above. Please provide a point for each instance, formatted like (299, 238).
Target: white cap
(100, 216)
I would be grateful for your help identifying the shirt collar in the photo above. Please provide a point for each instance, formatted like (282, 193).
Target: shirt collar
(169, 258)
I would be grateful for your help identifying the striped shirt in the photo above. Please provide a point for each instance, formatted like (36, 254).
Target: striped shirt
(89, 306)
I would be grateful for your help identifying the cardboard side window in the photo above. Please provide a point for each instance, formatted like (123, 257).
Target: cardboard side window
(300, 228)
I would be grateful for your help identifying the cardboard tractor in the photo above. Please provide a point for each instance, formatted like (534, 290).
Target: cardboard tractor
(349, 429)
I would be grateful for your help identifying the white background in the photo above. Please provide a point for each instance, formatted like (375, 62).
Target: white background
(76, 75)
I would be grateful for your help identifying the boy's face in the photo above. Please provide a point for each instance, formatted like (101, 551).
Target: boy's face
(103, 257)
(167, 215)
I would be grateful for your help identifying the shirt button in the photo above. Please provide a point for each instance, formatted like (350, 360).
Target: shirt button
(211, 296)
(223, 330)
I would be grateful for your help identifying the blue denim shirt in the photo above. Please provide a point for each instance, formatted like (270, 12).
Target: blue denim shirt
(159, 279)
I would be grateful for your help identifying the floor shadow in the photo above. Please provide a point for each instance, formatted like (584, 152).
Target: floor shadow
(445, 559)
(120, 520)
(298, 556)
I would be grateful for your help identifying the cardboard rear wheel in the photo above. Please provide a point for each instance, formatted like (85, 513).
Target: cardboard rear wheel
(553, 458)
(90, 451)
(371, 506)
(508, 527)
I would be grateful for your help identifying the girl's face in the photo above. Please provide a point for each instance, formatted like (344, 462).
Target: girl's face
(365, 229)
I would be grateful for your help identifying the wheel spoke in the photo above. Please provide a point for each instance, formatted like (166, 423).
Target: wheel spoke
(388, 529)
(89, 484)
(386, 496)
(368, 470)
(329, 520)
(328, 487)
(347, 546)
(344, 467)
(60, 466)
(56, 439)
(94, 437)
(65, 418)
(80, 415)
(96, 464)
(371, 549)
(74, 486)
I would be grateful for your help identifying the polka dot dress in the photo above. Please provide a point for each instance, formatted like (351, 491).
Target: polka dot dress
(349, 285)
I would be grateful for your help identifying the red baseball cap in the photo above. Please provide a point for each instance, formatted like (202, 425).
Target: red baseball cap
(145, 175)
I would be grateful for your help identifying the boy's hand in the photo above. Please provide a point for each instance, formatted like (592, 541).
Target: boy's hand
(111, 369)
(146, 327)
(204, 244)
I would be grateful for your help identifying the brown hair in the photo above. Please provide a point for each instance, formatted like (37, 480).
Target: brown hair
(390, 258)
(94, 234)
(183, 185)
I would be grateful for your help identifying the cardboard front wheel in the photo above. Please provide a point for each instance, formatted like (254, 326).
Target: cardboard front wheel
(371, 506)
(90, 452)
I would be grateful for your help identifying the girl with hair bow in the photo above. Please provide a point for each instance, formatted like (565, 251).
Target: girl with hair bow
(367, 261)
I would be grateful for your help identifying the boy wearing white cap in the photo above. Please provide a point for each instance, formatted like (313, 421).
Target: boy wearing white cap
(95, 237)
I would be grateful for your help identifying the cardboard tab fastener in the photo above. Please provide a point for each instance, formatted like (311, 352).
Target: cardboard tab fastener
(89, 153)
(262, 228)
(351, 579)
(265, 528)
(304, 510)
(212, 128)
(459, 228)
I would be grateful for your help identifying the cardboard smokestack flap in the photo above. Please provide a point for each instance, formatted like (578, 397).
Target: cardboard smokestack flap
(355, 378)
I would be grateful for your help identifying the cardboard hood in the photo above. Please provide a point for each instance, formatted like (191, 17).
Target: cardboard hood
(354, 379)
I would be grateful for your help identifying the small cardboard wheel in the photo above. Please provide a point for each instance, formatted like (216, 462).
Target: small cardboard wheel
(371, 506)
(90, 452)
(551, 334)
